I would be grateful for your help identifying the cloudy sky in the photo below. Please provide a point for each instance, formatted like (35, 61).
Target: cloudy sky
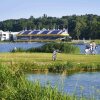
(15, 9)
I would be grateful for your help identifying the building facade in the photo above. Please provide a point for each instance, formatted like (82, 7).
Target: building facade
(34, 35)
(4, 36)
(38, 35)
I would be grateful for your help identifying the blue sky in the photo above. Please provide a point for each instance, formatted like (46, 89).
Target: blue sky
(15, 9)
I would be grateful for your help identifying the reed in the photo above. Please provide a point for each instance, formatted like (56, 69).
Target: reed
(14, 86)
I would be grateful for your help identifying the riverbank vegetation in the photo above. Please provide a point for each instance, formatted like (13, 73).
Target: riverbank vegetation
(14, 66)
(14, 86)
(50, 47)
(42, 61)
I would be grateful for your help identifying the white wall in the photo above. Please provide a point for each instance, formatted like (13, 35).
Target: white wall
(6, 35)
(14, 35)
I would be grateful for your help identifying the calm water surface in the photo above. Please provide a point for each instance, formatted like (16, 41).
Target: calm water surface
(82, 48)
(7, 47)
(86, 84)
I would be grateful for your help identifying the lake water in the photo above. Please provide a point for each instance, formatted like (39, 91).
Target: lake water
(82, 48)
(86, 84)
(7, 47)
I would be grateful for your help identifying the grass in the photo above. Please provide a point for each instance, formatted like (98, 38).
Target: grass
(41, 61)
(47, 57)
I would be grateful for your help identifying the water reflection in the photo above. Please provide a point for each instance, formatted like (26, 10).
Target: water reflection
(81, 84)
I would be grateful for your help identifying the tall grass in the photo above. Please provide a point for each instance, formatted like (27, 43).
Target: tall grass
(14, 86)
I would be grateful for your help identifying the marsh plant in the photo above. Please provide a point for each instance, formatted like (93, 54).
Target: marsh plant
(14, 86)
(60, 67)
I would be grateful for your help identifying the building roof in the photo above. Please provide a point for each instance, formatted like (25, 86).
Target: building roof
(44, 32)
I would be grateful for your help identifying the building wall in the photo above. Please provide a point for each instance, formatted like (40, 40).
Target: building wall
(14, 35)
(4, 35)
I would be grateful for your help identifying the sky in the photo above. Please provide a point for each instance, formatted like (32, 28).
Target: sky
(15, 9)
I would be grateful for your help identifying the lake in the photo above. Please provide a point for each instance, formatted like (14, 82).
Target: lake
(82, 48)
(86, 84)
(7, 47)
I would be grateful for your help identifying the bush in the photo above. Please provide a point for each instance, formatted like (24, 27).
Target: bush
(61, 47)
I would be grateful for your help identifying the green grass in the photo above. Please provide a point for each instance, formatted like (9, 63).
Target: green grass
(44, 60)
(47, 57)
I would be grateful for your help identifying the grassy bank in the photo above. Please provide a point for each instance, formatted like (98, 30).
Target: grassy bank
(69, 62)
(14, 86)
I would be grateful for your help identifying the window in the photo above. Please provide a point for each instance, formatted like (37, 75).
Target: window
(4, 34)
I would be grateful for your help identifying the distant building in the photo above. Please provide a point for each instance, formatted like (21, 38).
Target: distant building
(14, 34)
(4, 35)
(32, 35)
(7, 35)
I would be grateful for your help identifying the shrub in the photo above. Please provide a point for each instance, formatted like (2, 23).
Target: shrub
(60, 47)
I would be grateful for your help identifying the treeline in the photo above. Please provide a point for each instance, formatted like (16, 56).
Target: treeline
(79, 27)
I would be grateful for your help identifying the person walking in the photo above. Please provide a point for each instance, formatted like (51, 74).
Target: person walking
(54, 55)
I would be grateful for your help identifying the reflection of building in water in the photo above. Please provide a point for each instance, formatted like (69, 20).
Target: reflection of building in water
(32, 35)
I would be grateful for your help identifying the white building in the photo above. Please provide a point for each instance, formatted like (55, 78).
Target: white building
(6, 35)
(14, 35)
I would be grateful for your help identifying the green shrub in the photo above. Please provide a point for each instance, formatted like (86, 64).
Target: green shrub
(60, 47)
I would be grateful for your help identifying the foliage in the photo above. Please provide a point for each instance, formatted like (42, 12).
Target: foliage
(60, 47)
(79, 27)
(14, 86)
(13, 66)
